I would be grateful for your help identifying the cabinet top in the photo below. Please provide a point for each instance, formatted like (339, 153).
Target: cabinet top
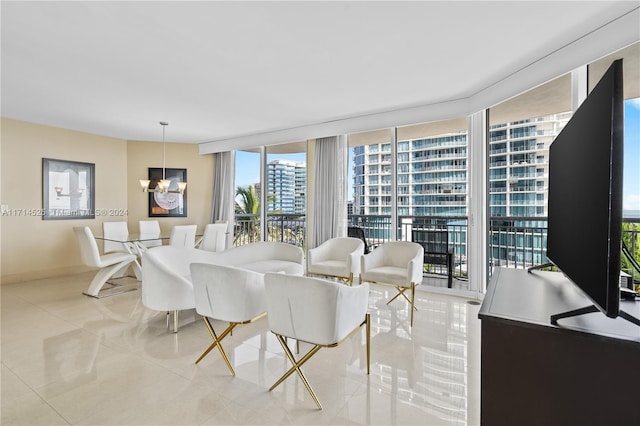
(531, 299)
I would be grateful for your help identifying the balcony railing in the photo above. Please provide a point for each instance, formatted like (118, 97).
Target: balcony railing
(514, 242)
(287, 228)
(377, 230)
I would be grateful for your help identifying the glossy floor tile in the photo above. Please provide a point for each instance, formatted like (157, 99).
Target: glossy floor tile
(72, 359)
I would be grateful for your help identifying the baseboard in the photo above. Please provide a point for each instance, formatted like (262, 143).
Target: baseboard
(42, 274)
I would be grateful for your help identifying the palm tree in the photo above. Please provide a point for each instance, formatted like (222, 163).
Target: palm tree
(248, 210)
(249, 203)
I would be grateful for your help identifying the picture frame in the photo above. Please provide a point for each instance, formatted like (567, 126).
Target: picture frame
(68, 189)
(167, 204)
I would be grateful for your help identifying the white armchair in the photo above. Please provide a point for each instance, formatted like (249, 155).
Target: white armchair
(227, 294)
(395, 263)
(214, 237)
(337, 257)
(109, 264)
(316, 311)
(166, 280)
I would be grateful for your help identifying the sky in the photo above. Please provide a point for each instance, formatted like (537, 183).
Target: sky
(631, 183)
(248, 163)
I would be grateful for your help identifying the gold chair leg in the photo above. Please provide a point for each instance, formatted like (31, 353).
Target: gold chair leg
(411, 301)
(413, 297)
(367, 320)
(400, 291)
(216, 342)
(296, 367)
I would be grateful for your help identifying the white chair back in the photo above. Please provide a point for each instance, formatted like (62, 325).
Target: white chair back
(117, 231)
(215, 237)
(228, 293)
(150, 229)
(88, 246)
(183, 236)
(338, 257)
(165, 282)
(314, 310)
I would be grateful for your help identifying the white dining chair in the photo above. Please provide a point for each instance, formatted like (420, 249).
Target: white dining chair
(183, 236)
(149, 231)
(110, 264)
(113, 232)
(214, 237)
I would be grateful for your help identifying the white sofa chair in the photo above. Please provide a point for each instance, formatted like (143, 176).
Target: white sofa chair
(230, 294)
(337, 257)
(316, 311)
(264, 257)
(395, 263)
(110, 264)
(166, 279)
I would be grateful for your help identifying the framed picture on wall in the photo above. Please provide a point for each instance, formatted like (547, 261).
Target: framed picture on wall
(68, 189)
(167, 204)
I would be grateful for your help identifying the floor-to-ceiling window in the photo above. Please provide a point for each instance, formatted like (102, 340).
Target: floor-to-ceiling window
(271, 194)
(247, 225)
(370, 191)
(286, 192)
(432, 195)
(520, 132)
(631, 173)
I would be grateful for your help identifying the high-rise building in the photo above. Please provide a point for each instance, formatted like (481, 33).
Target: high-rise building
(286, 186)
(432, 183)
(519, 165)
(432, 172)
(432, 177)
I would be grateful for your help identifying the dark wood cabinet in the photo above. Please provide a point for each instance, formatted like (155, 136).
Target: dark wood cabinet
(584, 371)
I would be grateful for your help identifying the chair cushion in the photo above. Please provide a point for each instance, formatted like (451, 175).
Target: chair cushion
(329, 267)
(388, 275)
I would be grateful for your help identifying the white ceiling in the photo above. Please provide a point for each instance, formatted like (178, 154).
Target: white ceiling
(220, 71)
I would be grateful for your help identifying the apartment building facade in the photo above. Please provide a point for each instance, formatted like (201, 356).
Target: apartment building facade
(286, 186)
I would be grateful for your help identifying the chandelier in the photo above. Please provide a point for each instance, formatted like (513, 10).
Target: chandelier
(164, 183)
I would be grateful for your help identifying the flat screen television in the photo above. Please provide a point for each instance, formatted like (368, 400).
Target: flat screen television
(585, 197)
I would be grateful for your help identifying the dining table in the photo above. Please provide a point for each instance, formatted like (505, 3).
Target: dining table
(134, 243)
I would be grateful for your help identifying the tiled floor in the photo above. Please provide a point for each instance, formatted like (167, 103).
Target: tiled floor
(73, 359)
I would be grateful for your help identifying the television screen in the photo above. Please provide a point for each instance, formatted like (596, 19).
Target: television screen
(585, 194)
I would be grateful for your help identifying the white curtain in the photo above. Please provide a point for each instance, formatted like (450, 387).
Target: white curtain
(224, 192)
(330, 189)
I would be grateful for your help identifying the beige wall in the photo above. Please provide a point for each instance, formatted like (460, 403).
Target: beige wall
(33, 248)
